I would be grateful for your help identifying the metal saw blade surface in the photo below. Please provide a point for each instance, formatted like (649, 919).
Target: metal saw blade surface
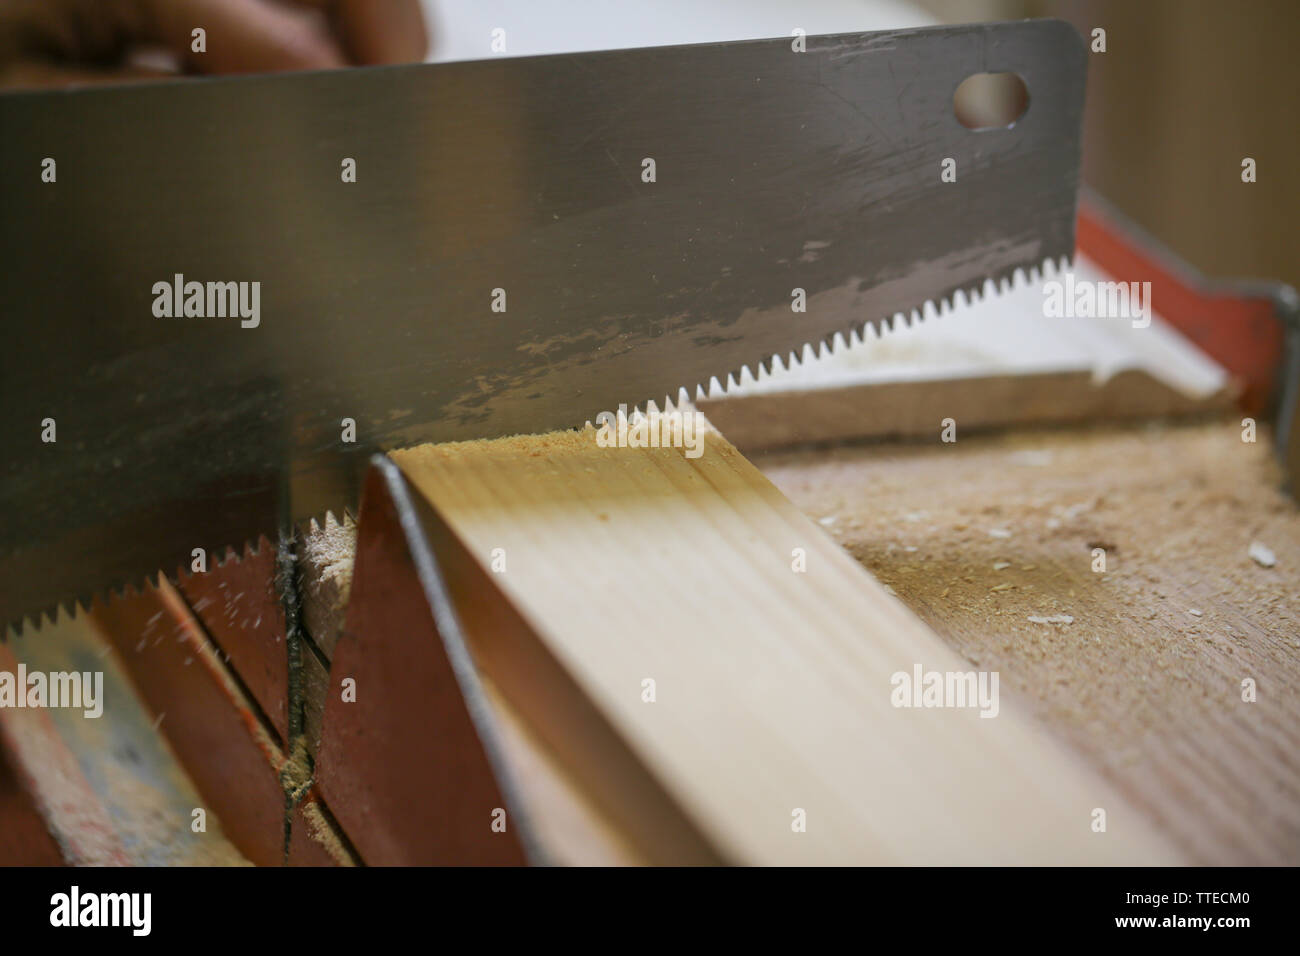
(503, 263)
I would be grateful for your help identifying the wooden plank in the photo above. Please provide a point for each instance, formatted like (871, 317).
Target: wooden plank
(129, 771)
(919, 409)
(210, 722)
(1145, 679)
(237, 603)
(565, 735)
(26, 840)
(216, 728)
(773, 687)
(570, 826)
(49, 774)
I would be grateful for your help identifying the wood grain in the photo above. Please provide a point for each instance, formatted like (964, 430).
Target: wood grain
(918, 409)
(773, 687)
(112, 781)
(1144, 681)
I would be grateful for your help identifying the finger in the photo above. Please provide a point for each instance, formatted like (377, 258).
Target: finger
(94, 31)
(243, 36)
(382, 31)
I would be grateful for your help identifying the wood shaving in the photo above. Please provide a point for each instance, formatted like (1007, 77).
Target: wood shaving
(1262, 555)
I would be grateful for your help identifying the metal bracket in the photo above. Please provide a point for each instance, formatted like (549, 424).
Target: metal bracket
(1250, 326)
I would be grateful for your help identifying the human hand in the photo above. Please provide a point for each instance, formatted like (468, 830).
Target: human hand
(46, 43)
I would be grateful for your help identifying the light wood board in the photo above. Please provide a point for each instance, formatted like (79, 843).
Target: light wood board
(773, 687)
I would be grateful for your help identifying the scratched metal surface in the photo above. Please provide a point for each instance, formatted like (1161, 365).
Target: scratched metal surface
(775, 170)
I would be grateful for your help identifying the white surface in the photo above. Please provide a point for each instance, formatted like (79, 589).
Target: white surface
(462, 29)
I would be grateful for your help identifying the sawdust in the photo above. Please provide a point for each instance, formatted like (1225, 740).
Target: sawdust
(330, 549)
(1149, 693)
(325, 560)
(320, 830)
(296, 773)
(296, 777)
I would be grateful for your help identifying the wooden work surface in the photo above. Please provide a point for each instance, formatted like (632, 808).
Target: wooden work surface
(1145, 681)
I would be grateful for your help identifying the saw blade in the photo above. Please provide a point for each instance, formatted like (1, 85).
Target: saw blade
(221, 295)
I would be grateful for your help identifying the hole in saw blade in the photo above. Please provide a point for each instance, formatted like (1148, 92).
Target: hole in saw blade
(990, 100)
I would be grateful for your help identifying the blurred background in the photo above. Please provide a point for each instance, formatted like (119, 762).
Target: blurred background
(1185, 90)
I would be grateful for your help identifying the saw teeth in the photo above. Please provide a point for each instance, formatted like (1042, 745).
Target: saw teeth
(327, 523)
(876, 328)
(856, 334)
(219, 557)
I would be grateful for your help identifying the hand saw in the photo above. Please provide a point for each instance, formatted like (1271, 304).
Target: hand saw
(521, 244)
